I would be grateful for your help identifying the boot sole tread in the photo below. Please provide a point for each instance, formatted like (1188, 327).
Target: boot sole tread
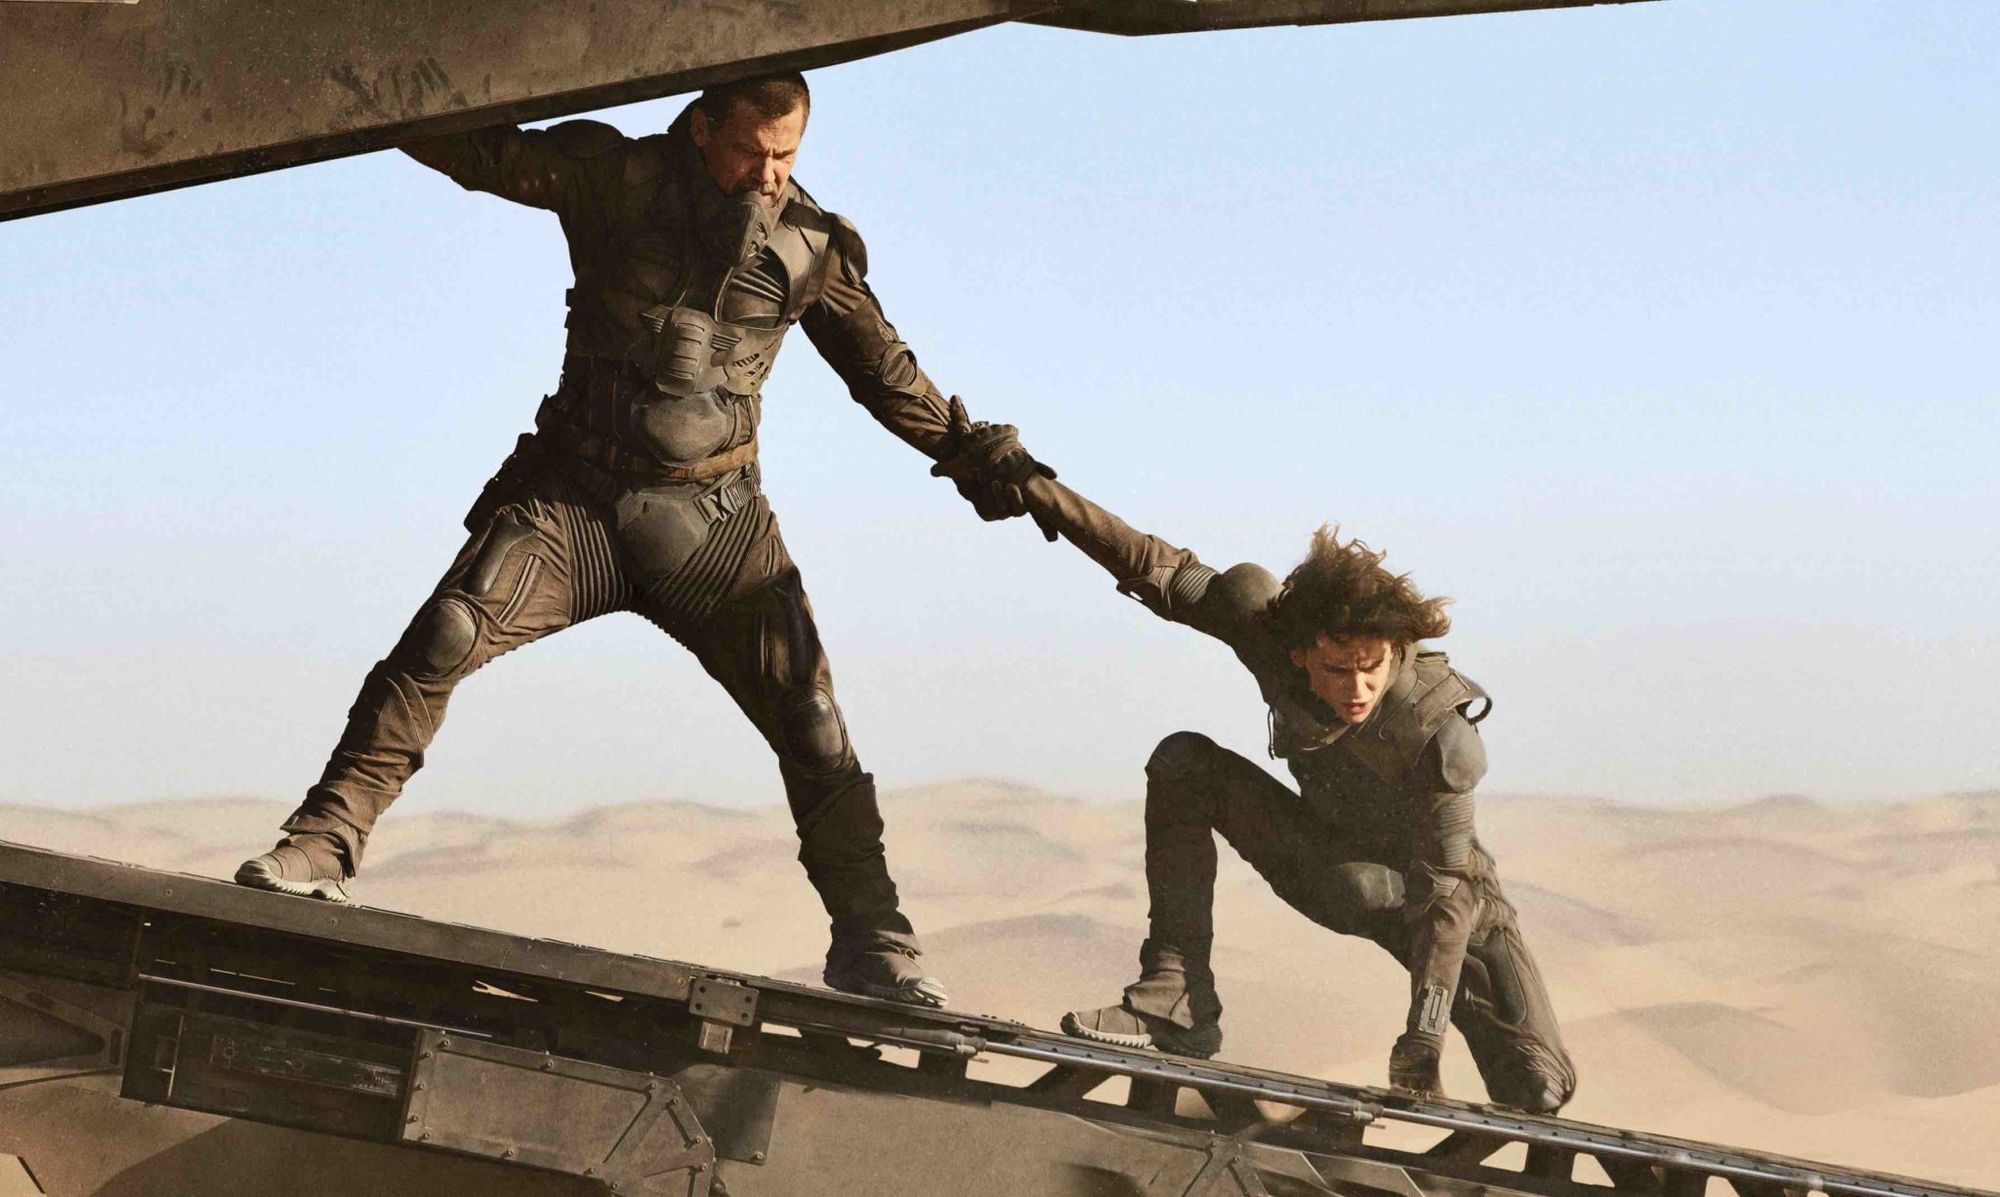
(1142, 1041)
(254, 875)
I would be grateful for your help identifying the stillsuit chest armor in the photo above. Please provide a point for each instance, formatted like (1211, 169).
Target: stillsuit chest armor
(1361, 781)
(694, 338)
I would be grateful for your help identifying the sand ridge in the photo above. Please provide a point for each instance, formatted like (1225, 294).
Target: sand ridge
(1814, 979)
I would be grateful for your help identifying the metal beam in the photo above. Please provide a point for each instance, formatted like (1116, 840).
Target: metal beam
(322, 1007)
(108, 100)
(1142, 17)
(111, 100)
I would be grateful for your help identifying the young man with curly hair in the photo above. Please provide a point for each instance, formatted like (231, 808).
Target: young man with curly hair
(1378, 840)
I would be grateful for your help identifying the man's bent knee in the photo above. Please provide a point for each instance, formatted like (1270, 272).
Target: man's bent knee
(1181, 756)
(1367, 888)
(811, 732)
(1180, 782)
(442, 637)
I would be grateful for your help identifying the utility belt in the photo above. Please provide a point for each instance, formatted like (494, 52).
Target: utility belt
(635, 468)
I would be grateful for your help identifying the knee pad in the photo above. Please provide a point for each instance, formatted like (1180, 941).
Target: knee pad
(1368, 888)
(812, 732)
(442, 637)
(1181, 755)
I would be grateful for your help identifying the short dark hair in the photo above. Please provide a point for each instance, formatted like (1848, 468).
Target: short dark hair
(769, 96)
(1342, 589)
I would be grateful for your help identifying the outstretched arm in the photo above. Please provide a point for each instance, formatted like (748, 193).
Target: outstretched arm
(1442, 900)
(543, 168)
(848, 328)
(1172, 582)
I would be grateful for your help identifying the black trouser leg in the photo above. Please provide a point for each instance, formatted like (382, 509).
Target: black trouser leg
(1504, 1012)
(1194, 789)
(762, 645)
(515, 581)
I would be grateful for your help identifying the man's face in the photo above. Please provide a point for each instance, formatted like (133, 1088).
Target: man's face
(1349, 673)
(746, 154)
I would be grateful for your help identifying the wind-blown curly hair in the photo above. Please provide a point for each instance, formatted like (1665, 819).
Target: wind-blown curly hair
(1341, 589)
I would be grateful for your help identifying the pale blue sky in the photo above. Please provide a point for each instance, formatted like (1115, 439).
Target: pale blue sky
(1663, 336)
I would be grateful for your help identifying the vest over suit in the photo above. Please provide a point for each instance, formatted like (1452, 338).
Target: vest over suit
(1378, 840)
(639, 488)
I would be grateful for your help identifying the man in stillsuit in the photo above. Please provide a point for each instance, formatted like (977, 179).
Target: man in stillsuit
(1378, 840)
(694, 253)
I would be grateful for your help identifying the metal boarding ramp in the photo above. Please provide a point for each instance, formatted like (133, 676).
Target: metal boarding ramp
(365, 1047)
(106, 99)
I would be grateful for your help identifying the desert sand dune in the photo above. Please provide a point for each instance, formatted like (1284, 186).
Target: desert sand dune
(1800, 977)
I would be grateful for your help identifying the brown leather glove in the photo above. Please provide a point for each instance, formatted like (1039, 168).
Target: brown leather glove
(1413, 1064)
(989, 466)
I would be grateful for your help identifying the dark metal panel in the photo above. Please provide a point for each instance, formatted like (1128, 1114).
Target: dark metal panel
(630, 1130)
(203, 897)
(276, 962)
(43, 1035)
(349, 1082)
(110, 100)
(738, 1107)
(1138, 17)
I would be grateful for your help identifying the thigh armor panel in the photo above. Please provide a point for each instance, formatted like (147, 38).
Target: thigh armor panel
(684, 546)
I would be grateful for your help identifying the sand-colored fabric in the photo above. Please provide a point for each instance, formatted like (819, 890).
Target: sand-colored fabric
(1811, 979)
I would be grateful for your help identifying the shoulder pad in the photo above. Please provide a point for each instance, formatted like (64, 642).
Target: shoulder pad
(646, 165)
(1241, 591)
(852, 250)
(1461, 755)
(585, 139)
(805, 212)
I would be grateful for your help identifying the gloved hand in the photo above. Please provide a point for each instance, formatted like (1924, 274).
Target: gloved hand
(989, 466)
(1413, 1064)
